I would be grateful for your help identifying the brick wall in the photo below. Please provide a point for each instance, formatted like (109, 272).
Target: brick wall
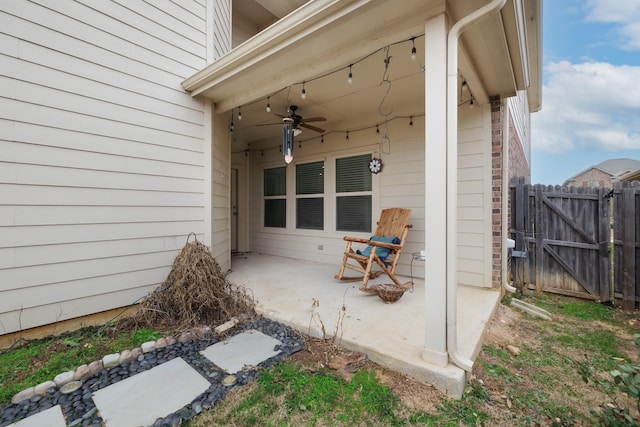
(497, 119)
(592, 178)
(518, 166)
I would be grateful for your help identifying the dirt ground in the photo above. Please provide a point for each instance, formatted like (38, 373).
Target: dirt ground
(510, 332)
(321, 354)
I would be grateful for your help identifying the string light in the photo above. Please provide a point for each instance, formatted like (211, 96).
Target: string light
(465, 86)
(471, 103)
(322, 139)
(303, 94)
(413, 49)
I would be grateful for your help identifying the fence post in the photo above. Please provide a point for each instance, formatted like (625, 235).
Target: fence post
(628, 219)
(604, 240)
(539, 236)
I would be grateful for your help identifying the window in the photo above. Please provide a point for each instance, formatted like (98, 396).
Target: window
(275, 197)
(353, 193)
(309, 196)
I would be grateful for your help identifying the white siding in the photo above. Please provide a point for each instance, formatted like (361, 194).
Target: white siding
(221, 199)
(401, 184)
(101, 152)
(474, 196)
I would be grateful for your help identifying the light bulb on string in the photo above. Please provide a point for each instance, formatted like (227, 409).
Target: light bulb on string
(303, 94)
(465, 86)
(471, 102)
(350, 78)
(413, 49)
(239, 113)
(410, 120)
(268, 105)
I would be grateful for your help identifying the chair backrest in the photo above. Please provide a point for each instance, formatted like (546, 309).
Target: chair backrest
(393, 222)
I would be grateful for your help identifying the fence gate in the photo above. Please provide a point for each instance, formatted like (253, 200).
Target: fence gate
(562, 239)
(626, 239)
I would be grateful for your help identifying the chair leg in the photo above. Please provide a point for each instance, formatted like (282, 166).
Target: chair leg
(345, 259)
(367, 271)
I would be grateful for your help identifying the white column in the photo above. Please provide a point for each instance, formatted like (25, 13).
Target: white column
(435, 347)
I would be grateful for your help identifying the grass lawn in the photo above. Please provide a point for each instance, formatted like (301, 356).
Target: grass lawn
(568, 371)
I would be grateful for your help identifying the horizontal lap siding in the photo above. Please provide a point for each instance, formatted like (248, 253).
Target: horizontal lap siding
(101, 153)
(400, 184)
(474, 197)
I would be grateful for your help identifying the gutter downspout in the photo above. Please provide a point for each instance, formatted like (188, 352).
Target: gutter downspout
(505, 201)
(452, 176)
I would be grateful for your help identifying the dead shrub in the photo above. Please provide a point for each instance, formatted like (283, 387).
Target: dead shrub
(194, 294)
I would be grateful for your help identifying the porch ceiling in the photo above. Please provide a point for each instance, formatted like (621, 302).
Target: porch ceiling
(317, 42)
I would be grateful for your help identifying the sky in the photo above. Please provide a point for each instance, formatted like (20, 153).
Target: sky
(591, 87)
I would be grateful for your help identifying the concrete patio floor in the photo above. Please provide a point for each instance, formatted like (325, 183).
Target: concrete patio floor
(305, 296)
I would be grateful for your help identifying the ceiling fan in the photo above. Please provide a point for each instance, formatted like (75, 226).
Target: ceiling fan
(298, 121)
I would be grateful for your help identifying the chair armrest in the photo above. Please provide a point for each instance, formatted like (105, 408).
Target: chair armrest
(393, 246)
(356, 239)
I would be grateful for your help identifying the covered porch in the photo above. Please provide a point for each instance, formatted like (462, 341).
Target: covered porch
(305, 296)
(392, 81)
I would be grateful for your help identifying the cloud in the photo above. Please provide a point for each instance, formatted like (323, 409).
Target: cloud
(590, 105)
(624, 14)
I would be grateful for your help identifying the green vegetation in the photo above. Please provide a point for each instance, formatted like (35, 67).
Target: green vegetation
(581, 368)
(288, 394)
(41, 360)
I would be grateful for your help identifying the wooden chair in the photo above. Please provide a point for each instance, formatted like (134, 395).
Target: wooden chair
(383, 250)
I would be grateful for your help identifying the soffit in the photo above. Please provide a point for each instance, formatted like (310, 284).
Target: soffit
(327, 35)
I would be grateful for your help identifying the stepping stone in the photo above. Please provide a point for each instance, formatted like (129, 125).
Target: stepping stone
(141, 399)
(51, 417)
(246, 348)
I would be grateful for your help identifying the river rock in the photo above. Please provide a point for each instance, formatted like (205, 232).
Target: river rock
(148, 346)
(25, 394)
(63, 378)
(111, 360)
(82, 372)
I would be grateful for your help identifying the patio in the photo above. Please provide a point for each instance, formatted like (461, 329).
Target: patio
(305, 296)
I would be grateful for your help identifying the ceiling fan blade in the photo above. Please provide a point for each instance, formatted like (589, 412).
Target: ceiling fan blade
(313, 128)
(313, 119)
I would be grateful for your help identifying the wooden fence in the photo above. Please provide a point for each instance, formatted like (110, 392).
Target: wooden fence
(626, 243)
(564, 239)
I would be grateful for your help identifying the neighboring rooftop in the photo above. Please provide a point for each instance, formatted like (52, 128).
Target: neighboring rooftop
(612, 167)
